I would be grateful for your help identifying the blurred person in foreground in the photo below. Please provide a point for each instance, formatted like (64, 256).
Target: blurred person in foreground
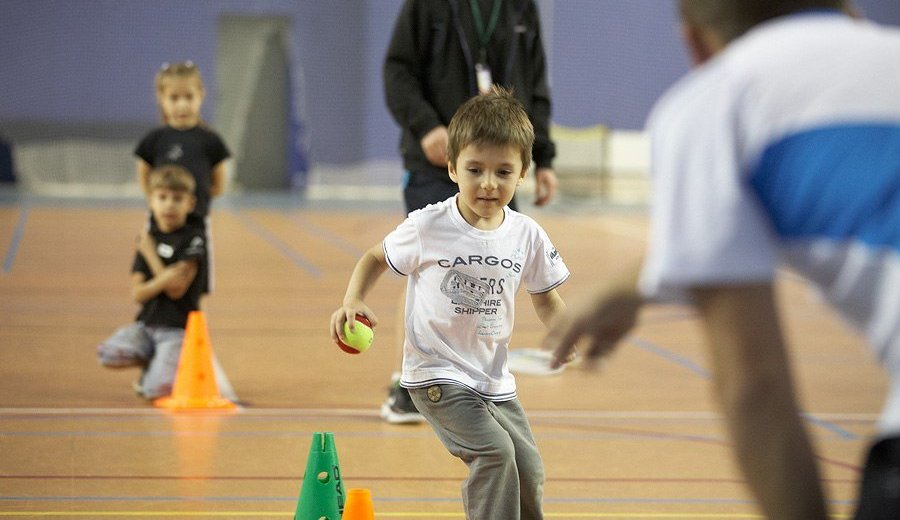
(781, 146)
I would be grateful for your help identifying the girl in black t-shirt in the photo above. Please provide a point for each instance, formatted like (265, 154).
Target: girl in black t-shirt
(187, 141)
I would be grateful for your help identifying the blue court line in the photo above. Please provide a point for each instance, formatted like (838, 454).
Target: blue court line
(834, 428)
(332, 238)
(278, 244)
(18, 233)
(702, 372)
(671, 356)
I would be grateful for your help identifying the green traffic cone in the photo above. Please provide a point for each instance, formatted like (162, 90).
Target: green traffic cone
(322, 492)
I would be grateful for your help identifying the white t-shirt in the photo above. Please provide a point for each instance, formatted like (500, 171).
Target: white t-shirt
(460, 300)
(786, 146)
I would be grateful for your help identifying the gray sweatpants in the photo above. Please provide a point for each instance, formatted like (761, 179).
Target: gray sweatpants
(506, 474)
(156, 349)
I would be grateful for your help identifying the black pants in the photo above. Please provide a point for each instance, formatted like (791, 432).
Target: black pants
(879, 495)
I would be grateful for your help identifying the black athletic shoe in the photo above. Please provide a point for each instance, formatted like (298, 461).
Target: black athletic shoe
(398, 408)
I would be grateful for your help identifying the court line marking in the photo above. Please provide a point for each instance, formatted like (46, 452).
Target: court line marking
(595, 432)
(331, 238)
(277, 243)
(433, 500)
(670, 356)
(394, 478)
(409, 514)
(700, 371)
(373, 413)
(18, 233)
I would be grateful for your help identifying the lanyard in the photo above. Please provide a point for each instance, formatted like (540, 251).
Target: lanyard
(484, 35)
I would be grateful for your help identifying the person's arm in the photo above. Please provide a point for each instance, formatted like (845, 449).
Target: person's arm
(548, 306)
(143, 175)
(603, 319)
(404, 70)
(367, 271)
(174, 281)
(434, 144)
(217, 180)
(544, 149)
(185, 272)
(146, 246)
(545, 185)
(754, 385)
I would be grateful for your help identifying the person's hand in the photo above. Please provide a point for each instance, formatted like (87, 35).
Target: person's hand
(347, 312)
(434, 144)
(183, 271)
(603, 320)
(545, 186)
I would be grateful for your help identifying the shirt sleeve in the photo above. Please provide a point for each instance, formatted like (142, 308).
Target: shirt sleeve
(545, 269)
(217, 149)
(140, 266)
(403, 248)
(145, 148)
(195, 248)
(707, 226)
(544, 148)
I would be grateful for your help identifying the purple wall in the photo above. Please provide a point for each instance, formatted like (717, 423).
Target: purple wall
(612, 59)
(89, 61)
(95, 60)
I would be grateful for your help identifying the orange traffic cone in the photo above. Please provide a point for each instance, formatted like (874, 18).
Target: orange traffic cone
(195, 385)
(358, 505)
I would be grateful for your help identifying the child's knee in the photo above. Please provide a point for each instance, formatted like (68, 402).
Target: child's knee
(127, 347)
(115, 356)
(501, 451)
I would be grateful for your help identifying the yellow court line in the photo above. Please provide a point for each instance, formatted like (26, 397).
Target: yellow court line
(724, 516)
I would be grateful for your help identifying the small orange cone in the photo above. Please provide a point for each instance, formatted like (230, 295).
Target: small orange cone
(195, 385)
(358, 505)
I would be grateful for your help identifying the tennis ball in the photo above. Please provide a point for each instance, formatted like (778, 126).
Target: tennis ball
(358, 340)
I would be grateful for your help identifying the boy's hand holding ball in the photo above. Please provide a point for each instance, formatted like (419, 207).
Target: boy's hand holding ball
(359, 338)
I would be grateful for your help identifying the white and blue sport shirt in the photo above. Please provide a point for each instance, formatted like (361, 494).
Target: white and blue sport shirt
(786, 147)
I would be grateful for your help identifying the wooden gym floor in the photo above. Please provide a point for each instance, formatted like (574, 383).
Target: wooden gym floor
(639, 439)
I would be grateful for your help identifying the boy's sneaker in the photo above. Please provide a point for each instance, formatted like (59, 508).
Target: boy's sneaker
(138, 386)
(398, 408)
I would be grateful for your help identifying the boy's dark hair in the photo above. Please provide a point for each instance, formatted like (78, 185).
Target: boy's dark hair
(495, 118)
(172, 177)
(732, 18)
